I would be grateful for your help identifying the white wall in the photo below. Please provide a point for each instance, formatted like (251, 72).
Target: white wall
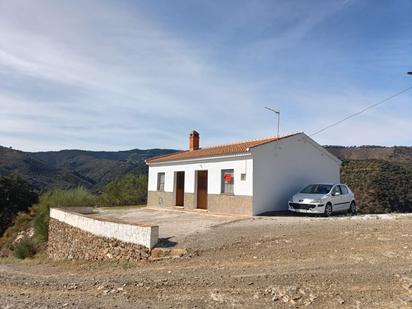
(145, 235)
(242, 164)
(282, 168)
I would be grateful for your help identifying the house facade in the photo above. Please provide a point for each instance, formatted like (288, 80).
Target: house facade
(245, 178)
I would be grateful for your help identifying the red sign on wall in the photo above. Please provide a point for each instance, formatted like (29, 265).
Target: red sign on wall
(227, 177)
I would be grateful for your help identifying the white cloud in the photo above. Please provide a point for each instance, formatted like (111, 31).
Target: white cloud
(101, 74)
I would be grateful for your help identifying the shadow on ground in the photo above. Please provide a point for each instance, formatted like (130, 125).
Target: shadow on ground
(166, 243)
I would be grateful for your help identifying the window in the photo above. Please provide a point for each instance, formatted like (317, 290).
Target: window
(160, 181)
(317, 189)
(336, 191)
(243, 176)
(344, 189)
(227, 181)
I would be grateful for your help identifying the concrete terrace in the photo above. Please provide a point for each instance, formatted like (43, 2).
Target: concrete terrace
(174, 224)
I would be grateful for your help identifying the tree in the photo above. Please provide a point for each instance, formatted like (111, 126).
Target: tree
(15, 195)
(127, 190)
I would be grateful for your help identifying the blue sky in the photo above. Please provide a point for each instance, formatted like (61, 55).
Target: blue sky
(116, 75)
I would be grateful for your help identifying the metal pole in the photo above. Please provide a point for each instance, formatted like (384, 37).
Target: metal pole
(278, 114)
(278, 123)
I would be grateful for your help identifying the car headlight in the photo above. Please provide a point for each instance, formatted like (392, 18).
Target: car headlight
(316, 201)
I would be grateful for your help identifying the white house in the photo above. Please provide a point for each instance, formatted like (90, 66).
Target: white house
(246, 178)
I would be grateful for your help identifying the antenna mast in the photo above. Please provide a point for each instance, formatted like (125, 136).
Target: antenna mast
(278, 114)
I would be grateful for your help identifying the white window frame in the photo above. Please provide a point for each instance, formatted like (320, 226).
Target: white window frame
(161, 184)
(228, 188)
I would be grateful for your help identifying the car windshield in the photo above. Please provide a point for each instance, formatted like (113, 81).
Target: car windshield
(317, 189)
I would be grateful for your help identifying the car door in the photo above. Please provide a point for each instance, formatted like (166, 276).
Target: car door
(336, 198)
(345, 197)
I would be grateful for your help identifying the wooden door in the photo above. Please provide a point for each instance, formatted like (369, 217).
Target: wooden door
(202, 189)
(180, 188)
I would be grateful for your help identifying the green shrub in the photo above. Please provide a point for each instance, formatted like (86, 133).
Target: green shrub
(127, 190)
(41, 222)
(77, 197)
(24, 249)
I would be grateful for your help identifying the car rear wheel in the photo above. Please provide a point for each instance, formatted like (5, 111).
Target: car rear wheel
(352, 209)
(328, 210)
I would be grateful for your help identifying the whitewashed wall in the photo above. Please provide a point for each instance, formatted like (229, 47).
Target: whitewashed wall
(242, 164)
(282, 168)
(144, 235)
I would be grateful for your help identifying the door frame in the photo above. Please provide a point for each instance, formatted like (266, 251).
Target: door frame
(197, 188)
(175, 188)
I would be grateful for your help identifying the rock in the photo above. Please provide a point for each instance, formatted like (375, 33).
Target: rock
(307, 302)
(340, 300)
(167, 253)
(407, 300)
(216, 297)
(72, 286)
(407, 283)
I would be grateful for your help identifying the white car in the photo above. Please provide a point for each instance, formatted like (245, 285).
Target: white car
(324, 199)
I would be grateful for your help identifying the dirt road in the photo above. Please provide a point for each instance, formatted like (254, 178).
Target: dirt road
(261, 263)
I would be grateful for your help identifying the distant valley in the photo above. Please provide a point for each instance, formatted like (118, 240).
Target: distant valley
(71, 168)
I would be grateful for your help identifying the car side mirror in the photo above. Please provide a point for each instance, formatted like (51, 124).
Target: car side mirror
(336, 194)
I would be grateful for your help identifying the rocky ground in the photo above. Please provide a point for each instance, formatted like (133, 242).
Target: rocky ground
(265, 262)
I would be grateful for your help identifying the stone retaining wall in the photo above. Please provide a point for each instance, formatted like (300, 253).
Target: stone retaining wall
(75, 236)
(140, 234)
(70, 243)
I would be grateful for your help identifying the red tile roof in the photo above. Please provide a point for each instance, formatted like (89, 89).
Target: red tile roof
(221, 150)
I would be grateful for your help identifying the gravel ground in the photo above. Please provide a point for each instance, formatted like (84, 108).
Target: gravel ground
(262, 262)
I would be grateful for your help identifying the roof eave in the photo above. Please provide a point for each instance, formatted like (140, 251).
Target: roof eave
(276, 140)
(206, 158)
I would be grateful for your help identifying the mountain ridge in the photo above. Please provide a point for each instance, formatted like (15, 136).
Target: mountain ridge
(69, 168)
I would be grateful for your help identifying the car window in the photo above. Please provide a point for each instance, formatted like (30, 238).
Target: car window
(336, 189)
(317, 189)
(344, 189)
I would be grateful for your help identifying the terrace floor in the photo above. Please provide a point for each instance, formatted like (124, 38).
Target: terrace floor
(174, 224)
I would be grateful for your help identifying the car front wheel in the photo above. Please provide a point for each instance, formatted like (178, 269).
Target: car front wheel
(328, 210)
(352, 209)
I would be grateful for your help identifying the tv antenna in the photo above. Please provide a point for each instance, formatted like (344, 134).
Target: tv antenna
(278, 114)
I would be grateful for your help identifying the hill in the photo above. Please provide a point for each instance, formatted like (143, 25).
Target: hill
(397, 154)
(70, 168)
(380, 186)
(380, 177)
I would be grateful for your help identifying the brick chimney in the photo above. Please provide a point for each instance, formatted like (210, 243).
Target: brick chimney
(193, 141)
